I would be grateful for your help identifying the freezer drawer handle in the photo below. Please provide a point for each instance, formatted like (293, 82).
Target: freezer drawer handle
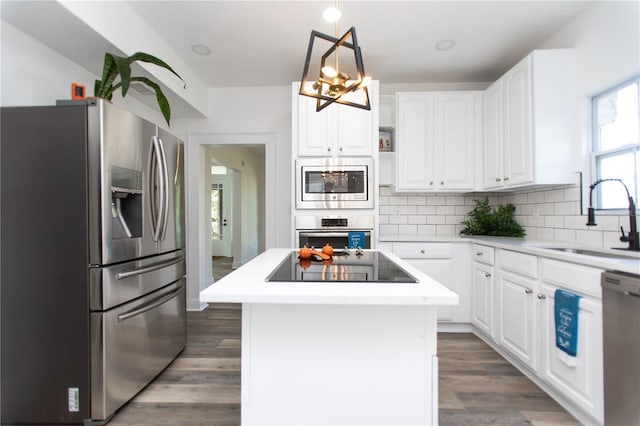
(151, 305)
(149, 268)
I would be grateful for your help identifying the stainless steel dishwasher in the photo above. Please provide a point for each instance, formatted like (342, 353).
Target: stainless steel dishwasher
(621, 346)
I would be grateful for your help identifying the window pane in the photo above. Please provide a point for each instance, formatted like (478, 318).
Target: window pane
(617, 118)
(611, 195)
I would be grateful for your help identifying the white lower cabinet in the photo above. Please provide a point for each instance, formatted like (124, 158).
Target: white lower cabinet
(517, 317)
(516, 302)
(482, 298)
(482, 289)
(581, 379)
(445, 263)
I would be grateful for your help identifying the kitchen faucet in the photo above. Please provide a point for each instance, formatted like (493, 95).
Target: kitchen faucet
(632, 238)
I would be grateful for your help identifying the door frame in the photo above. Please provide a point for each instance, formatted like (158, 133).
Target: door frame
(197, 168)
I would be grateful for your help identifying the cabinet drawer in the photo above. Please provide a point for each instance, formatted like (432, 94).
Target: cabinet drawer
(423, 250)
(571, 276)
(483, 254)
(520, 263)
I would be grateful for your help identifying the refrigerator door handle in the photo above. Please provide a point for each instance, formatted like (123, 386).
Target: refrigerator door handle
(160, 300)
(164, 216)
(149, 268)
(156, 193)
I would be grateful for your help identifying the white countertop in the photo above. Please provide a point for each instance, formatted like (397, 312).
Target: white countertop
(247, 285)
(538, 248)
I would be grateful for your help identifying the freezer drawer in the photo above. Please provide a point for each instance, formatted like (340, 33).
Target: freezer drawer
(132, 343)
(113, 285)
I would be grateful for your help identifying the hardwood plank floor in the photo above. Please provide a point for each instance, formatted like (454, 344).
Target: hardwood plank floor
(202, 386)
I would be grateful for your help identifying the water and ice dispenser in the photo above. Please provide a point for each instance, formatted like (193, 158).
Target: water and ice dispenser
(126, 203)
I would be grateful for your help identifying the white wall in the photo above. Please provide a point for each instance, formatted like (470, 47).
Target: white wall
(33, 74)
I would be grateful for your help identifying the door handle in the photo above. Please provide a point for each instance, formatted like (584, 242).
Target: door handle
(224, 222)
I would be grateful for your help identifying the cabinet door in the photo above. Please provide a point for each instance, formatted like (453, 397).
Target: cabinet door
(493, 133)
(516, 317)
(416, 141)
(457, 135)
(440, 270)
(355, 131)
(582, 382)
(518, 137)
(482, 297)
(315, 134)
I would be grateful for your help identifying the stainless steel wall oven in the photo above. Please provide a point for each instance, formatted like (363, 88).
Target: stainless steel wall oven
(338, 231)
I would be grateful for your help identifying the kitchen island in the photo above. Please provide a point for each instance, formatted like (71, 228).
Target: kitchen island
(335, 352)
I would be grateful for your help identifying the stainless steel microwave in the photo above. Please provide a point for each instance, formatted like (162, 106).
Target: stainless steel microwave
(334, 183)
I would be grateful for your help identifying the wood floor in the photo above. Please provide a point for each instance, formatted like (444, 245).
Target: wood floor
(202, 386)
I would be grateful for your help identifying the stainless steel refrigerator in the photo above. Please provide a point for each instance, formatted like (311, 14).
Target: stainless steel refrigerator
(92, 303)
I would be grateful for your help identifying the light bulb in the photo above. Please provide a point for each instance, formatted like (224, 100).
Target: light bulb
(331, 14)
(329, 72)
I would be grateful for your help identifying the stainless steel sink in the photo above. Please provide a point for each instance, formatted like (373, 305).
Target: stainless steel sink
(597, 253)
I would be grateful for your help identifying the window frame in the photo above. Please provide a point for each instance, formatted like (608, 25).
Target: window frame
(596, 154)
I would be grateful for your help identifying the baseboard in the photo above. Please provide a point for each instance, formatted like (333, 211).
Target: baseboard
(456, 327)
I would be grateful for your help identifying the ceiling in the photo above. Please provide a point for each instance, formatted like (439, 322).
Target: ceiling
(263, 43)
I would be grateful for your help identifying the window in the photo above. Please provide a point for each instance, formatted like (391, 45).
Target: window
(616, 144)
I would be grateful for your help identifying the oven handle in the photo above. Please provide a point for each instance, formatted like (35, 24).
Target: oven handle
(329, 234)
(160, 300)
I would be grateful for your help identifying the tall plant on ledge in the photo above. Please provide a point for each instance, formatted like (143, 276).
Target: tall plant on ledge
(115, 66)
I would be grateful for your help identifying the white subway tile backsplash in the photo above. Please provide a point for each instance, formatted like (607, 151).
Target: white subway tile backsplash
(546, 214)
(416, 220)
(554, 196)
(590, 238)
(566, 208)
(427, 210)
(407, 210)
(445, 210)
(417, 200)
(554, 221)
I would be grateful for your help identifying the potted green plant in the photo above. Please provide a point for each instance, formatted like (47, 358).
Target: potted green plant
(115, 66)
(483, 220)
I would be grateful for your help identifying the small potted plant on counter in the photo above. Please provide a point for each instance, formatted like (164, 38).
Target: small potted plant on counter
(483, 220)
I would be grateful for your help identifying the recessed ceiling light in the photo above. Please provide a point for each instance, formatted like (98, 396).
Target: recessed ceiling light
(443, 45)
(201, 49)
(331, 14)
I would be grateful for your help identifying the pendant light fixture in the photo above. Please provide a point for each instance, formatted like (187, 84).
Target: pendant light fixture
(346, 85)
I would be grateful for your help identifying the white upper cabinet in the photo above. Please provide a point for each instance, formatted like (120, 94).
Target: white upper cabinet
(529, 123)
(337, 130)
(437, 136)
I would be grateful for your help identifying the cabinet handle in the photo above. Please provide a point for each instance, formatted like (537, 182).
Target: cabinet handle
(478, 253)
(441, 183)
(528, 290)
(423, 251)
(431, 183)
(329, 149)
(542, 296)
(506, 178)
(340, 149)
(498, 180)
(487, 275)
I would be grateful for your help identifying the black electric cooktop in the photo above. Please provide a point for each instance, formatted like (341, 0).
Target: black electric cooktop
(368, 267)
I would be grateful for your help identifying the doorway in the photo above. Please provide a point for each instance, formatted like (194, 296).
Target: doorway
(237, 205)
(221, 216)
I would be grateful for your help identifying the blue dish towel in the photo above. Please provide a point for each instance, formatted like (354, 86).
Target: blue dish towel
(566, 320)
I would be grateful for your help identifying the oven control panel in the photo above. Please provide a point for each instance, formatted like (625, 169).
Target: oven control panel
(338, 221)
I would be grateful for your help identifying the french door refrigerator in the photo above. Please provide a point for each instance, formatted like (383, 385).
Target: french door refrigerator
(92, 298)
